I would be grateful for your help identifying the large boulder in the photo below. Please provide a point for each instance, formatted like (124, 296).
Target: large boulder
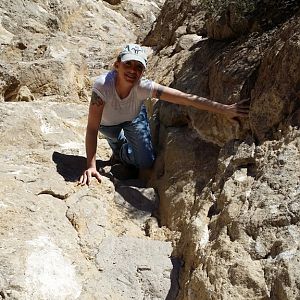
(57, 237)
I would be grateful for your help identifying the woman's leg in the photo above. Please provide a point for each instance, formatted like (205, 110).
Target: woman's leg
(115, 137)
(138, 150)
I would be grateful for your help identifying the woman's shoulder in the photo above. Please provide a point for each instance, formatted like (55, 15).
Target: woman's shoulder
(144, 88)
(146, 84)
(104, 79)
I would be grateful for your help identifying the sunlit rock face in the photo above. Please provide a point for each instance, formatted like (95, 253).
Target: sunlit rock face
(55, 47)
(220, 215)
(60, 240)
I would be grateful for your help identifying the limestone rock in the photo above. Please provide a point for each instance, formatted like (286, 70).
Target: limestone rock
(53, 231)
(176, 181)
(63, 42)
(173, 16)
(9, 83)
(46, 260)
(231, 23)
(62, 224)
(229, 190)
(145, 274)
(187, 41)
(5, 35)
(238, 229)
(24, 94)
(279, 96)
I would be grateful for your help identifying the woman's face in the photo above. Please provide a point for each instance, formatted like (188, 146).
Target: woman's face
(131, 71)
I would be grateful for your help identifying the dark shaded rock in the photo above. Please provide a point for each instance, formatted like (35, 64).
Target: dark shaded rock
(9, 84)
(113, 2)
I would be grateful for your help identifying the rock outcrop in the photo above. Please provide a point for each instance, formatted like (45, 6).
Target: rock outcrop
(234, 199)
(220, 216)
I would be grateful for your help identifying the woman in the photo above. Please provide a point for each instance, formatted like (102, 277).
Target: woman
(117, 111)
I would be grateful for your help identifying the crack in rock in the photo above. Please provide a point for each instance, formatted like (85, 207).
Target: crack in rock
(56, 195)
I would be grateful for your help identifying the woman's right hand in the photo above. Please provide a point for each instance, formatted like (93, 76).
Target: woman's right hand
(87, 175)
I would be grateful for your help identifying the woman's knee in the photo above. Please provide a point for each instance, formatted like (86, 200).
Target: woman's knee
(146, 160)
(140, 158)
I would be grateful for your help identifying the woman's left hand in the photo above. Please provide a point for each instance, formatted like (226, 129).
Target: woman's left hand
(239, 109)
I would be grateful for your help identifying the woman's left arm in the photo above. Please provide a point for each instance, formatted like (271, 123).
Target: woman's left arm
(239, 109)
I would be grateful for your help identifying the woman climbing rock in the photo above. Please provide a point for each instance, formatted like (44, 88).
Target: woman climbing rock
(117, 111)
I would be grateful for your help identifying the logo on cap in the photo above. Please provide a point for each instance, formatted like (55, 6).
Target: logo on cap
(136, 49)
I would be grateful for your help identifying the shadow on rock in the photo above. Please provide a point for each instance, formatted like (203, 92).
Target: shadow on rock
(124, 173)
(137, 200)
(130, 190)
(174, 289)
(70, 167)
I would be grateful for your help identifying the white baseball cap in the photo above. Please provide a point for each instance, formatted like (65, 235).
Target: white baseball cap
(134, 52)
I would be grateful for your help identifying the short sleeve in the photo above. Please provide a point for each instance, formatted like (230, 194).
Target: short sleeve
(145, 89)
(99, 87)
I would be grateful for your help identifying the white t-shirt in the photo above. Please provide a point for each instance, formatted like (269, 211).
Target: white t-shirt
(117, 110)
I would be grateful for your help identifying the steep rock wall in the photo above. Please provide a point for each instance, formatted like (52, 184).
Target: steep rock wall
(238, 217)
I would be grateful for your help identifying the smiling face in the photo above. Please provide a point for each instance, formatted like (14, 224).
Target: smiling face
(129, 71)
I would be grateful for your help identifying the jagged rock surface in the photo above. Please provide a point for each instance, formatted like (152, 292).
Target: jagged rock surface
(228, 190)
(56, 47)
(235, 198)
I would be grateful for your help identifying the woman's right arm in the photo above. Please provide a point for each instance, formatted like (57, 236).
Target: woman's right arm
(94, 119)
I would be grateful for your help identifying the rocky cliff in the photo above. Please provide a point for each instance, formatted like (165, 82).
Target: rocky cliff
(220, 216)
(231, 188)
